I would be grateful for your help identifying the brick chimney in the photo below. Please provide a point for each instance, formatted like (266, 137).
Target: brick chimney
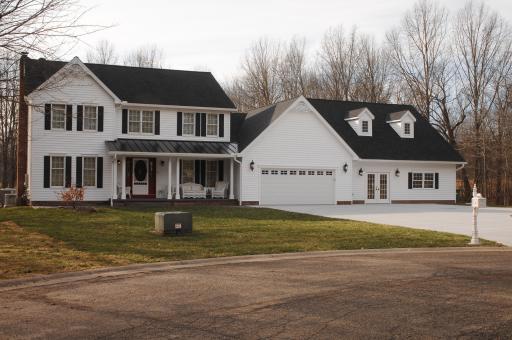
(22, 143)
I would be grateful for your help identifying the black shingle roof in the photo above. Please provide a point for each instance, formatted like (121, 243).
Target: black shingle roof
(427, 144)
(143, 85)
(171, 146)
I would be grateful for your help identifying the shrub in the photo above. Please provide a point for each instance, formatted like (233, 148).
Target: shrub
(72, 195)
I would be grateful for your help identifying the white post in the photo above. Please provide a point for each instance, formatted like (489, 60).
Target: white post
(475, 204)
(177, 178)
(231, 181)
(123, 178)
(169, 179)
(114, 178)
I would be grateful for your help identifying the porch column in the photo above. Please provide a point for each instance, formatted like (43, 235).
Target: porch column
(177, 178)
(123, 179)
(114, 178)
(169, 180)
(231, 195)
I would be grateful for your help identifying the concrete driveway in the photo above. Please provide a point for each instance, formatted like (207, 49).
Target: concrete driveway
(392, 294)
(494, 223)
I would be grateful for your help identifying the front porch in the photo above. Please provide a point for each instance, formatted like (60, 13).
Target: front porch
(141, 175)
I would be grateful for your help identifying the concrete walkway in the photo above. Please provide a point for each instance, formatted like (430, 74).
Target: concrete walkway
(494, 223)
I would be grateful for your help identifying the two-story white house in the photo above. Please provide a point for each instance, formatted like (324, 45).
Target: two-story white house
(129, 133)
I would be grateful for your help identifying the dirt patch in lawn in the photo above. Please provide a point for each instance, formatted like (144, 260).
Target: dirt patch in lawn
(24, 252)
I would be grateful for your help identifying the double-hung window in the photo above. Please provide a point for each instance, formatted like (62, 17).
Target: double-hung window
(187, 173)
(57, 171)
(90, 118)
(428, 180)
(212, 125)
(188, 123)
(58, 116)
(141, 121)
(211, 173)
(417, 180)
(365, 126)
(89, 172)
(407, 128)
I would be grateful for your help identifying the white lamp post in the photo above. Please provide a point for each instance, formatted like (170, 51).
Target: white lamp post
(475, 204)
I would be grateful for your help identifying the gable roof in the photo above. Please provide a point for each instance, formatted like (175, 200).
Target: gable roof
(142, 85)
(427, 144)
(352, 114)
(394, 116)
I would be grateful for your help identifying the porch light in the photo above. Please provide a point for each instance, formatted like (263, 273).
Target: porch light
(397, 173)
(251, 165)
(361, 172)
(345, 167)
(162, 163)
(118, 162)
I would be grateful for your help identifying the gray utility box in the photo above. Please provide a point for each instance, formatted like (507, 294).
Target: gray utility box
(173, 222)
(3, 193)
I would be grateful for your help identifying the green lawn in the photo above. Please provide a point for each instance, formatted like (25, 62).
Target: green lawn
(53, 240)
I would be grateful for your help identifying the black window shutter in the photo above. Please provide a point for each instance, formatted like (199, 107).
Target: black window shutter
(197, 168)
(410, 180)
(157, 122)
(100, 118)
(203, 124)
(79, 117)
(203, 172)
(179, 124)
(99, 172)
(221, 125)
(220, 170)
(79, 172)
(68, 172)
(69, 117)
(47, 118)
(198, 124)
(125, 121)
(46, 178)
(437, 180)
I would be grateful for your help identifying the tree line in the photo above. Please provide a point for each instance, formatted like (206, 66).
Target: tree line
(455, 68)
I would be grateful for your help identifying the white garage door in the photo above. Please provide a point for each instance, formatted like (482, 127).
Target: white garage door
(297, 186)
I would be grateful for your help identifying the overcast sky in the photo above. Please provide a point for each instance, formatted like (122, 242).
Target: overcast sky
(213, 34)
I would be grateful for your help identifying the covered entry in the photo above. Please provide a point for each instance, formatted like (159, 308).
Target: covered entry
(297, 186)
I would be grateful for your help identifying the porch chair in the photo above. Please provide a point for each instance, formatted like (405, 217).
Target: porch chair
(128, 192)
(219, 191)
(193, 190)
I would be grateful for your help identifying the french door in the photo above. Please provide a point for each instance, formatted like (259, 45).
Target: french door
(377, 188)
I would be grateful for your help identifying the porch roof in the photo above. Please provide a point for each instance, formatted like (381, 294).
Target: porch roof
(124, 145)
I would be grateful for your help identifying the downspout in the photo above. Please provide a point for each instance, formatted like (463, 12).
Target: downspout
(460, 167)
(239, 179)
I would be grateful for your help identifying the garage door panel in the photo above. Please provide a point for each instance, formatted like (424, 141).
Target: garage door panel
(297, 186)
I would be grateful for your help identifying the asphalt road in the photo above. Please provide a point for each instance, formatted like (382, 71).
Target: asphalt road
(393, 294)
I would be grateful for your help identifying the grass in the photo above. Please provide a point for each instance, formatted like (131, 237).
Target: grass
(40, 241)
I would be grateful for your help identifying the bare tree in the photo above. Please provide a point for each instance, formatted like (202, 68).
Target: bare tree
(483, 47)
(41, 26)
(338, 59)
(373, 81)
(103, 53)
(145, 56)
(292, 69)
(416, 50)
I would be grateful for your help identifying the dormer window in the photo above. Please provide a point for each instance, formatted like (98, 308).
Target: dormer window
(361, 121)
(402, 122)
(407, 128)
(365, 126)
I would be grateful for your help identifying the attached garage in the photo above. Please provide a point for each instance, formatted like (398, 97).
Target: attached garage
(297, 186)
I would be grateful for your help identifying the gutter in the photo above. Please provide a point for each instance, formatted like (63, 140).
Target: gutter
(460, 167)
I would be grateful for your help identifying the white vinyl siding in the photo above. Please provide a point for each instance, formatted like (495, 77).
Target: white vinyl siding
(58, 116)
(89, 171)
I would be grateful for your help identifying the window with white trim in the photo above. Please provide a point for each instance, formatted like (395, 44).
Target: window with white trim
(364, 126)
(417, 180)
(328, 173)
(264, 172)
(211, 173)
(212, 125)
(89, 172)
(302, 172)
(311, 172)
(58, 116)
(293, 172)
(284, 172)
(428, 180)
(407, 128)
(90, 117)
(274, 172)
(187, 171)
(141, 121)
(189, 123)
(57, 171)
